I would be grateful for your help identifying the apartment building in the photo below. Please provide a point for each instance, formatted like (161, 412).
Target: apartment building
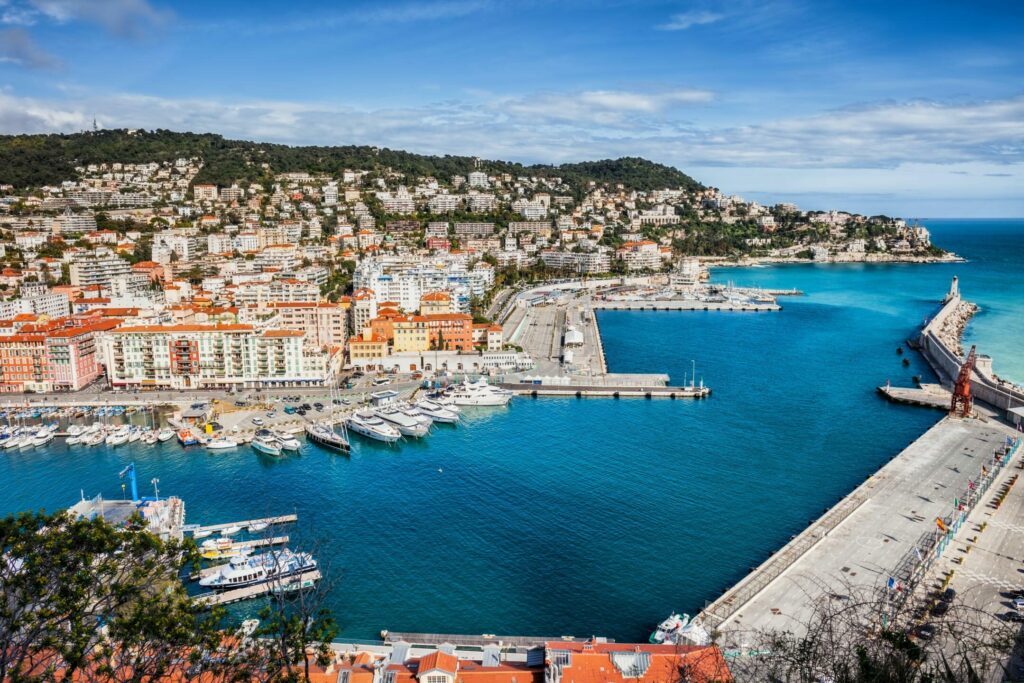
(210, 356)
(323, 323)
(97, 267)
(262, 293)
(584, 263)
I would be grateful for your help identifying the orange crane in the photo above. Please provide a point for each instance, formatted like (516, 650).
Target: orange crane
(961, 404)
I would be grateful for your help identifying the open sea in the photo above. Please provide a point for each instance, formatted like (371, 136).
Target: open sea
(600, 516)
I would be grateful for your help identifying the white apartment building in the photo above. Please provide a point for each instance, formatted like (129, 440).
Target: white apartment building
(204, 193)
(219, 243)
(406, 280)
(444, 203)
(97, 267)
(279, 257)
(261, 293)
(210, 356)
(184, 247)
(478, 179)
(584, 263)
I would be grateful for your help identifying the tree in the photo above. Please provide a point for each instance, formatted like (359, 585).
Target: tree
(62, 577)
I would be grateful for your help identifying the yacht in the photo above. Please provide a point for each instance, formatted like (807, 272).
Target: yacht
(221, 443)
(75, 430)
(668, 630)
(43, 436)
(407, 424)
(286, 441)
(480, 393)
(267, 445)
(134, 434)
(325, 436)
(95, 438)
(119, 437)
(165, 435)
(437, 412)
(262, 568)
(258, 526)
(230, 530)
(372, 427)
(200, 533)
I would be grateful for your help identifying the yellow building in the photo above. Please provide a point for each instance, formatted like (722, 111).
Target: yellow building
(367, 347)
(411, 335)
(435, 302)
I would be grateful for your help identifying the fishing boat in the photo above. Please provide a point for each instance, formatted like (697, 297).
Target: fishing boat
(187, 438)
(287, 441)
(327, 437)
(263, 568)
(372, 427)
(668, 630)
(165, 435)
(230, 530)
(268, 445)
(221, 443)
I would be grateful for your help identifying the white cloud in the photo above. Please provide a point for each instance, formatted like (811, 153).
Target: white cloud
(120, 17)
(17, 47)
(685, 20)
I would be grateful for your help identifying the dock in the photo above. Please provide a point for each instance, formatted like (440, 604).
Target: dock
(470, 641)
(215, 528)
(927, 395)
(606, 391)
(682, 305)
(868, 536)
(214, 599)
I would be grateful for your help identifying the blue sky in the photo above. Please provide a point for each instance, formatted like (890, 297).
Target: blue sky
(907, 108)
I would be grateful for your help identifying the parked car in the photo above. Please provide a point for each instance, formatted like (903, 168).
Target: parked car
(939, 609)
(1018, 604)
(301, 411)
(289, 410)
(1016, 617)
(925, 631)
(318, 405)
(240, 404)
(947, 595)
(257, 421)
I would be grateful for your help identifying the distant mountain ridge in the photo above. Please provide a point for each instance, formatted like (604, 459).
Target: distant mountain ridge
(43, 159)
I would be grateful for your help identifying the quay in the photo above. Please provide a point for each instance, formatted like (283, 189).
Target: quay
(862, 541)
(215, 599)
(927, 395)
(214, 528)
(626, 391)
(480, 641)
(681, 305)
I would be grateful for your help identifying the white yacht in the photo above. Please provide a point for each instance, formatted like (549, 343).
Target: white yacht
(221, 443)
(408, 425)
(165, 435)
(134, 434)
(262, 568)
(287, 441)
(119, 437)
(268, 445)
(437, 412)
(372, 427)
(43, 436)
(480, 393)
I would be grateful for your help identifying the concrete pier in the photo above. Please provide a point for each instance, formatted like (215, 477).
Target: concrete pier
(861, 541)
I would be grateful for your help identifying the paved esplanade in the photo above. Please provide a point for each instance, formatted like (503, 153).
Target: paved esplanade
(868, 534)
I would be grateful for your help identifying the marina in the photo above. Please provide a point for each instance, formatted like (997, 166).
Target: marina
(216, 599)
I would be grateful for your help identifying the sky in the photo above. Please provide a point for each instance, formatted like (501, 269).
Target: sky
(899, 107)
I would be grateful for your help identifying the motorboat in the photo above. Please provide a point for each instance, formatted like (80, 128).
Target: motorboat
(149, 437)
(119, 437)
(13, 441)
(94, 439)
(165, 435)
(221, 443)
(230, 530)
(187, 438)
(437, 412)
(134, 434)
(75, 430)
(201, 533)
(43, 436)
(369, 425)
(327, 437)
(267, 445)
(262, 568)
(258, 526)
(480, 393)
(287, 441)
(668, 630)
(407, 424)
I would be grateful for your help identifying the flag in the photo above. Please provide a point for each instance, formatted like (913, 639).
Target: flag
(941, 524)
(918, 551)
(891, 583)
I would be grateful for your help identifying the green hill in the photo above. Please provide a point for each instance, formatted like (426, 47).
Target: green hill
(34, 160)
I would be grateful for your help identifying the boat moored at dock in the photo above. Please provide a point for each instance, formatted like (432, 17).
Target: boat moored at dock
(263, 568)
(326, 437)
(267, 445)
(366, 423)
(480, 393)
(406, 424)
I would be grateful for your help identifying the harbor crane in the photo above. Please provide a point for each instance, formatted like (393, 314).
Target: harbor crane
(130, 473)
(962, 401)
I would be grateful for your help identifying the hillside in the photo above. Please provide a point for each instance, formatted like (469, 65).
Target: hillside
(34, 160)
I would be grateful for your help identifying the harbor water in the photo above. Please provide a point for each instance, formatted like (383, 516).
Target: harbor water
(599, 516)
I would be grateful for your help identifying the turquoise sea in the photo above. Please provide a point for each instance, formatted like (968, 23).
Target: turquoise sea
(601, 516)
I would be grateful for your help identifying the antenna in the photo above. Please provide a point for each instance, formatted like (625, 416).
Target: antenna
(94, 126)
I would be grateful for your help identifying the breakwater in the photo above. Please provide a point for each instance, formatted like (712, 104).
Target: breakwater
(939, 343)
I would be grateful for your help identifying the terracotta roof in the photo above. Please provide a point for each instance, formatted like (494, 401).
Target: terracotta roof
(186, 328)
(438, 661)
(283, 333)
